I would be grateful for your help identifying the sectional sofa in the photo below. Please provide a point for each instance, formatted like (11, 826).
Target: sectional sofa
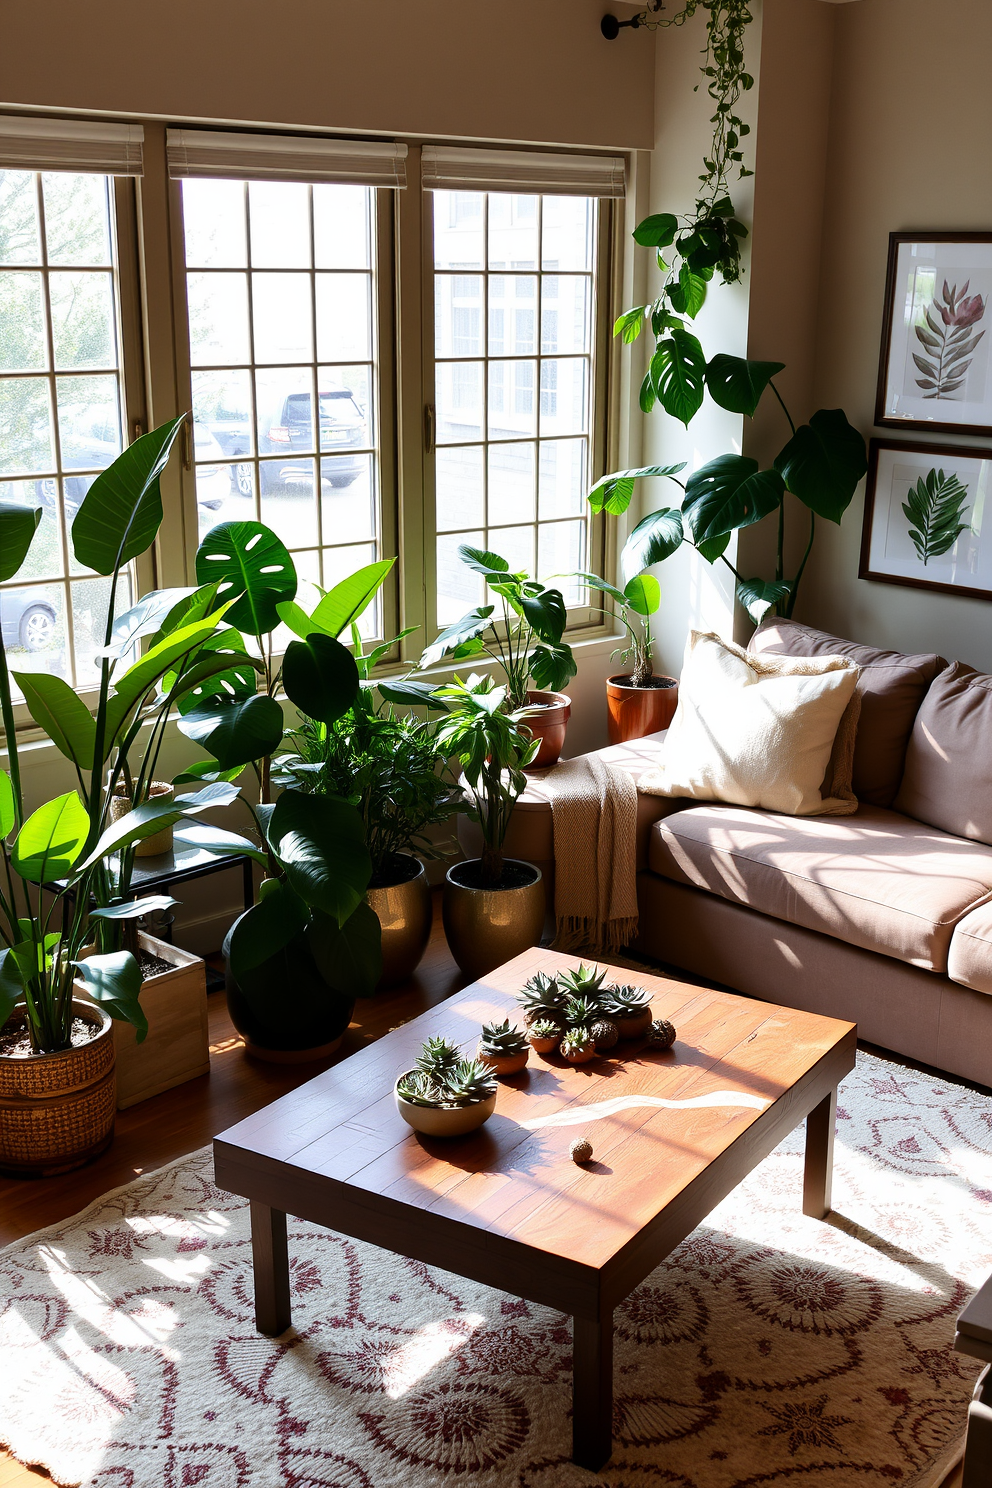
(883, 917)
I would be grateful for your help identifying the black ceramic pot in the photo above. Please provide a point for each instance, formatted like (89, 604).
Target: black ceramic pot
(284, 1010)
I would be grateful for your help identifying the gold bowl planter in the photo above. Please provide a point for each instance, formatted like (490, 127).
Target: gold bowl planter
(404, 911)
(486, 927)
(57, 1110)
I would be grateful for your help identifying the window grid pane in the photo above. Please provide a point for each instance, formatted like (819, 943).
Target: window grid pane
(280, 293)
(514, 297)
(61, 397)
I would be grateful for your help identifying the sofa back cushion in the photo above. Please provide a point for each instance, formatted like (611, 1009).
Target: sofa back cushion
(892, 687)
(948, 778)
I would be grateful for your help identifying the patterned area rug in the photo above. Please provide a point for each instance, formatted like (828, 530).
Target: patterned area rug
(768, 1349)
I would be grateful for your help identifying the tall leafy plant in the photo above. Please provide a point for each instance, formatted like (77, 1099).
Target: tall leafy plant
(60, 859)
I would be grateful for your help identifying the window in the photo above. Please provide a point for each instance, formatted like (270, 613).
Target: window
(61, 400)
(511, 468)
(280, 294)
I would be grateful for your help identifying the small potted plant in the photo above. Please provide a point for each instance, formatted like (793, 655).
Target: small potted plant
(629, 1008)
(445, 1095)
(493, 907)
(544, 1036)
(638, 701)
(503, 1047)
(526, 641)
(578, 1045)
(543, 1001)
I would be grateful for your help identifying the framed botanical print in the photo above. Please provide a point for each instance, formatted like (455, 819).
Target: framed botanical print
(935, 370)
(925, 517)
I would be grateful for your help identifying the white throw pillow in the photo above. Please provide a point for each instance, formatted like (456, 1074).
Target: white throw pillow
(761, 730)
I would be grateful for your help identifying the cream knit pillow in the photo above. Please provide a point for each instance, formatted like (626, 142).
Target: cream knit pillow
(761, 730)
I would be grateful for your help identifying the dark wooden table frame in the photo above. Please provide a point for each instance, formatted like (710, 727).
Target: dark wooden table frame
(589, 1294)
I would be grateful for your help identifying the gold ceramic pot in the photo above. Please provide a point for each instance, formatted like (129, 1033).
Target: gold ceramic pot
(486, 927)
(404, 912)
(57, 1110)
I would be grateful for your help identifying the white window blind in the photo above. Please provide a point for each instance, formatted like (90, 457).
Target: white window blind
(71, 145)
(276, 157)
(453, 168)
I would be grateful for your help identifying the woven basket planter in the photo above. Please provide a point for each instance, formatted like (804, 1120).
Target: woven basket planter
(57, 1110)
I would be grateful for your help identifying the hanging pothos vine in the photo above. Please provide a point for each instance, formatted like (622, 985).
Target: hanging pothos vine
(823, 459)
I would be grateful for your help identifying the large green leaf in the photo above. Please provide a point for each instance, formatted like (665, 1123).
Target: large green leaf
(351, 598)
(612, 493)
(551, 666)
(156, 662)
(595, 582)
(152, 816)
(51, 840)
(267, 927)
(61, 712)
(466, 629)
(236, 732)
(114, 981)
(643, 594)
(11, 984)
(545, 613)
(320, 677)
(678, 372)
(221, 668)
(656, 231)
(349, 956)
(122, 510)
(320, 841)
(483, 561)
(18, 525)
(216, 840)
(253, 568)
(737, 384)
(823, 462)
(133, 909)
(145, 618)
(688, 294)
(8, 813)
(411, 694)
(728, 493)
(654, 539)
(712, 548)
(758, 596)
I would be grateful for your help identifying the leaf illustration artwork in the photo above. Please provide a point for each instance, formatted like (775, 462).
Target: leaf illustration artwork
(934, 509)
(947, 340)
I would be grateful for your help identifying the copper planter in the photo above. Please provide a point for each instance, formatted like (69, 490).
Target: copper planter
(634, 712)
(57, 1110)
(549, 726)
(486, 927)
(404, 912)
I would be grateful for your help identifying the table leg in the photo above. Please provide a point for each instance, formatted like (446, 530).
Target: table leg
(270, 1257)
(818, 1177)
(592, 1391)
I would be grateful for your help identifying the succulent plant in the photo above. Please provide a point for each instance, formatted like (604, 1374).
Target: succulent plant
(544, 1028)
(586, 981)
(418, 1089)
(580, 1012)
(604, 1033)
(469, 1081)
(503, 1039)
(575, 1040)
(661, 1034)
(542, 997)
(436, 1057)
(625, 1001)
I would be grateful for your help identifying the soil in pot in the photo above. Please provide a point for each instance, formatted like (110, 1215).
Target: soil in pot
(152, 965)
(516, 875)
(633, 712)
(15, 1043)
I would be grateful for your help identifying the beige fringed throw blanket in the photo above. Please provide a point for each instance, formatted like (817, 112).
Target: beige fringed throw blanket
(594, 812)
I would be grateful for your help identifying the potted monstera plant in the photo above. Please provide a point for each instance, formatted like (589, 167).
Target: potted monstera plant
(61, 996)
(525, 639)
(298, 959)
(638, 701)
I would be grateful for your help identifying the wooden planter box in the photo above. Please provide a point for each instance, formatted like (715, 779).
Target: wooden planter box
(176, 1048)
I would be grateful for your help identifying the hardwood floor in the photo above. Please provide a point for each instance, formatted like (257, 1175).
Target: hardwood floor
(180, 1120)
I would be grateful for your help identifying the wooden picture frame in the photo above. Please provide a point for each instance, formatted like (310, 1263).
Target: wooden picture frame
(949, 488)
(935, 365)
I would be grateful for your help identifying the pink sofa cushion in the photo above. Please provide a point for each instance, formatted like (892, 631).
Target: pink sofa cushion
(969, 960)
(948, 777)
(876, 880)
(892, 687)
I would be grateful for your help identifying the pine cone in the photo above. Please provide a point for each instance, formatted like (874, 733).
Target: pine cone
(661, 1034)
(605, 1034)
(580, 1150)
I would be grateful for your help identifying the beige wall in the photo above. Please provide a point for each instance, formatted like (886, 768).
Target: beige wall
(534, 70)
(910, 133)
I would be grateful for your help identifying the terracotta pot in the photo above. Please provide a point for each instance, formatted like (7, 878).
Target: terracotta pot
(504, 1064)
(404, 912)
(440, 1121)
(544, 1045)
(159, 842)
(633, 1027)
(57, 1110)
(548, 725)
(486, 927)
(634, 712)
(582, 1055)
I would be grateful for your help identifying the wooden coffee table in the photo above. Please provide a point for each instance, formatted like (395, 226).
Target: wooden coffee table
(673, 1134)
